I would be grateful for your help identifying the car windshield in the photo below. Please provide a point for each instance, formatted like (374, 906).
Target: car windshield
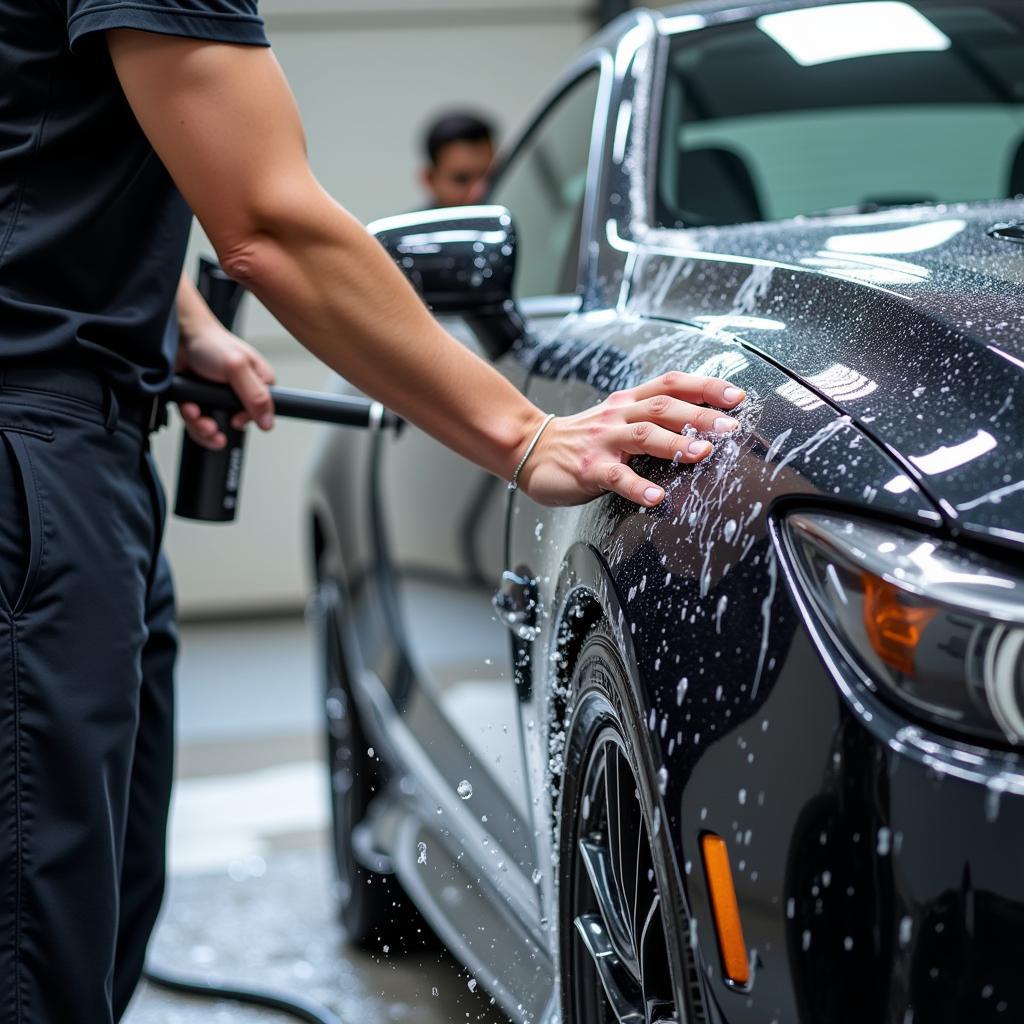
(842, 108)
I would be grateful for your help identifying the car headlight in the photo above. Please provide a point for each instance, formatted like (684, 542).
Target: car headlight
(937, 629)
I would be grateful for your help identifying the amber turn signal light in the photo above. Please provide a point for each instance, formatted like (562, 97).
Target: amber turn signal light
(894, 625)
(735, 959)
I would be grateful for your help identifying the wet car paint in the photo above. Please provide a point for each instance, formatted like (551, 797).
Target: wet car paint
(926, 356)
(873, 856)
(825, 804)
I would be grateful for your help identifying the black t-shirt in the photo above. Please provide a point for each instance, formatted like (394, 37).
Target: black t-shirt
(92, 229)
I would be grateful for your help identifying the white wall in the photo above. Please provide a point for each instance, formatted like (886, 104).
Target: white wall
(367, 75)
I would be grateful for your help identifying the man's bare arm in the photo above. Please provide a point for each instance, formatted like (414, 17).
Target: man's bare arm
(223, 120)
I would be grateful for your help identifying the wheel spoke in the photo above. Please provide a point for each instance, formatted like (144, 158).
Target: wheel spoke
(597, 862)
(624, 996)
(661, 1012)
(640, 860)
(612, 813)
(656, 979)
(645, 892)
(622, 968)
(652, 914)
(623, 816)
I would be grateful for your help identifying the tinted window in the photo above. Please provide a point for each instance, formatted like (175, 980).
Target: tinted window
(799, 112)
(544, 187)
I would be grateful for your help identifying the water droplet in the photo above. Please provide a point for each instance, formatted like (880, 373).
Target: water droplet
(723, 603)
(422, 848)
(465, 790)
(471, 984)
(996, 786)
(884, 844)
(662, 780)
(536, 876)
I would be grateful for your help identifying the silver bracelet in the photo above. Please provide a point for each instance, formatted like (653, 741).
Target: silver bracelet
(513, 484)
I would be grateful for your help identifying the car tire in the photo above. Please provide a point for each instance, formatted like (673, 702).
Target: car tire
(372, 906)
(623, 924)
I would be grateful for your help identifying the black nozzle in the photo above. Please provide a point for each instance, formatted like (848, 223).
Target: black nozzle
(222, 294)
(208, 481)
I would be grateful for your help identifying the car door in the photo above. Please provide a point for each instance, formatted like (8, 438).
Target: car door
(442, 526)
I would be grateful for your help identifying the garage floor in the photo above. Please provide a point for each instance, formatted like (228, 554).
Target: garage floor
(249, 899)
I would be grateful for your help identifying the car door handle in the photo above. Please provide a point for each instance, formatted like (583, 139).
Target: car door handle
(515, 601)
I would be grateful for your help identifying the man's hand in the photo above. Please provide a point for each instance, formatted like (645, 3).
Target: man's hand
(209, 351)
(582, 456)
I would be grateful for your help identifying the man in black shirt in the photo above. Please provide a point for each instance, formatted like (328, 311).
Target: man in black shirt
(118, 118)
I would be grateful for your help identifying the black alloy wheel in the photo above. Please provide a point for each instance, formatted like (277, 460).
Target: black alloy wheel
(622, 918)
(372, 906)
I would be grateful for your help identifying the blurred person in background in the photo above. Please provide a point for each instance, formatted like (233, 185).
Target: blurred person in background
(460, 149)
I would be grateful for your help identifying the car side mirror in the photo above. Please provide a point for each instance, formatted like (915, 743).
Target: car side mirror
(462, 261)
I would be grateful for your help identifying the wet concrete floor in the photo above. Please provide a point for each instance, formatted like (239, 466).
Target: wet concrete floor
(250, 898)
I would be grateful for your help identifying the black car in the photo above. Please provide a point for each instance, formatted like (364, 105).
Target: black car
(752, 756)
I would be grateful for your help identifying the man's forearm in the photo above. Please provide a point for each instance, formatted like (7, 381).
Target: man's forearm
(194, 315)
(338, 292)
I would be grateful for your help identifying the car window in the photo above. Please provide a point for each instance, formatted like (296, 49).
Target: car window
(852, 107)
(544, 186)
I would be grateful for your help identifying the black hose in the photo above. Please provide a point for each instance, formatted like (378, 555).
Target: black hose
(294, 1006)
(344, 410)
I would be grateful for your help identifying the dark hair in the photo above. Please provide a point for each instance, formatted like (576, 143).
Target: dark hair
(457, 126)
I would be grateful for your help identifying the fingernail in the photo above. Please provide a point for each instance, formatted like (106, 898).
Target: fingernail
(266, 421)
(725, 425)
(652, 494)
(732, 395)
(698, 447)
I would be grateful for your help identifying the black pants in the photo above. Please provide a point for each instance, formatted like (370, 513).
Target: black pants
(87, 648)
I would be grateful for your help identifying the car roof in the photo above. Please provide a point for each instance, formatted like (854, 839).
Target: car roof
(716, 12)
(739, 8)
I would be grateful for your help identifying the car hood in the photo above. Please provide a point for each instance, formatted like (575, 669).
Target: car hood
(910, 321)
